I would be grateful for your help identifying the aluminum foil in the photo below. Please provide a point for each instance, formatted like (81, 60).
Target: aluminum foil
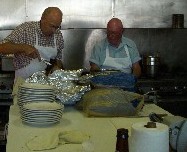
(68, 91)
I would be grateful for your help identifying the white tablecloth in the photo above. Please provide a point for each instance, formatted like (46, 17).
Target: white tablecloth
(101, 130)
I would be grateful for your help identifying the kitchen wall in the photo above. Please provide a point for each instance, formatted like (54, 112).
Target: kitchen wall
(95, 13)
(170, 43)
(147, 22)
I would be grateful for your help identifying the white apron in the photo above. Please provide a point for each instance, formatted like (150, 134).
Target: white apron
(35, 65)
(122, 64)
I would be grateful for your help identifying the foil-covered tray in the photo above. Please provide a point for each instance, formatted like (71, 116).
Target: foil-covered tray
(67, 91)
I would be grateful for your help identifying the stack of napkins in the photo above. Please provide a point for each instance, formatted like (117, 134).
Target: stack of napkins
(51, 140)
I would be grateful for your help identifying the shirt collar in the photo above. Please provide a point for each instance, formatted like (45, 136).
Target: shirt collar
(40, 31)
(120, 45)
(38, 28)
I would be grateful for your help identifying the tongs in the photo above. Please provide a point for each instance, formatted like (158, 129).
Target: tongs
(45, 61)
(156, 117)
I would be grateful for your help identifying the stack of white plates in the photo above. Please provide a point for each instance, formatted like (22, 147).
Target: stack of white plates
(30, 92)
(41, 113)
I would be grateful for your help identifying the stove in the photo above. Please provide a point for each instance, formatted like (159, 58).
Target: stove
(163, 86)
(6, 100)
(170, 93)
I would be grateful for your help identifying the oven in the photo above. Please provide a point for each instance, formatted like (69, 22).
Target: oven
(6, 100)
(168, 92)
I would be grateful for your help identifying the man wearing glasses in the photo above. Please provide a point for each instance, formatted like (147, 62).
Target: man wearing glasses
(116, 52)
(32, 41)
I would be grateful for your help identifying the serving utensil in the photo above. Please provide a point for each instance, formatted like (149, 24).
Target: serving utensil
(45, 61)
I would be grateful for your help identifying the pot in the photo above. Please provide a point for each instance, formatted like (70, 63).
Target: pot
(151, 65)
(178, 21)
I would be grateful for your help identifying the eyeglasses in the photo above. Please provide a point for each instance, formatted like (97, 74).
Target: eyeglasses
(54, 27)
(114, 34)
(51, 25)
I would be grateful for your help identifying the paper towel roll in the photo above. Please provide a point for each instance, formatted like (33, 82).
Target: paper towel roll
(144, 139)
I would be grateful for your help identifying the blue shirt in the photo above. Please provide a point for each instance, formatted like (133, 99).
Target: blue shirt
(98, 53)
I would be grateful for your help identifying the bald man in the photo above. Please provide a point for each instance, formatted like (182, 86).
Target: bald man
(31, 41)
(116, 52)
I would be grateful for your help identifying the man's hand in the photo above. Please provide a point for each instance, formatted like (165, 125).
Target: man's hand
(55, 65)
(136, 69)
(94, 67)
(14, 48)
(31, 51)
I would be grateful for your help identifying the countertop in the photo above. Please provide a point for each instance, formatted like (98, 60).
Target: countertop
(101, 130)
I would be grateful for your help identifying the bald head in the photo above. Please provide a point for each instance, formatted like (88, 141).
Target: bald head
(52, 12)
(114, 31)
(115, 23)
(51, 20)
